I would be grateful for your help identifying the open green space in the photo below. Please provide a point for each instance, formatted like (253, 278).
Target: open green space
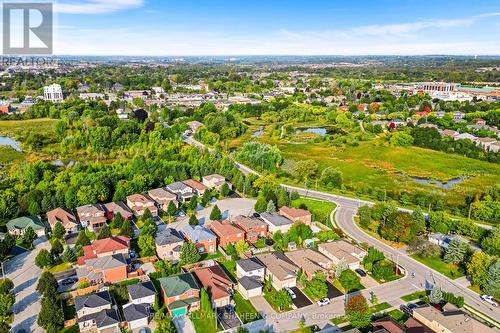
(229, 267)
(15, 127)
(244, 308)
(60, 267)
(450, 270)
(413, 296)
(320, 209)
(8, 154)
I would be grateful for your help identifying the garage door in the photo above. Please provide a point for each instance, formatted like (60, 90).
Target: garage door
(179, 312)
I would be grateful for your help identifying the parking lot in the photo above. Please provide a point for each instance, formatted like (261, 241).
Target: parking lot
(227, 317)
(301, 299)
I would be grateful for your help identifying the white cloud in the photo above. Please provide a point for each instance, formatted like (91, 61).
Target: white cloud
(96, 6)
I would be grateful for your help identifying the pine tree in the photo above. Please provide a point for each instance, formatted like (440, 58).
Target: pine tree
(193, 220)
(58, 231)
(171, 209)
(260, 204)
(57, 248)
(47, 284)
(82, 239)
(126, 229)
(189, 254)
(456, 251)
(436, 295)
(117, 221)
(215, 214)
(51, 315)
(69, 255)
(224, 190)
(105, 232)
(271, 207)
(492, 286)
(29, 236)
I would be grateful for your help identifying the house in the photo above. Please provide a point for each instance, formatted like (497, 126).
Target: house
(162, 198)
(205, 240)
(197, 187)
(479, 121)
(465, 136)
(227, 232)
(252, 226)
(105, 247)
(449, 133)
(108, 269)
(95, 312)
(182, 191)
(113, 208)
(279, 270)
(91, 216)
(181, 293)
(168, 244)
(250, 267)
(296, 215)
(218, 285)
(310, 261)
(249, 287)
(458, 115)
(388, 325)
(486, 143)
(138, 203)
(276, 222)
(136, 315)
(214, 181)
(194, 125)
(495, 147)
(340, 249)
(142, 293)
(451, 320)
(65, 217)
(18, 226)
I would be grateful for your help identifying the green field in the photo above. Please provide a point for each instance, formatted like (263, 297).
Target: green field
(320, 209)
(8, 154)
(15, 127)
(450, 270)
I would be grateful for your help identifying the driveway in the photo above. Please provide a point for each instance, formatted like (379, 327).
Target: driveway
(332, 291)
(183, 324)
(24, 273)
(301, 300)
(227, 317)
(368, 281)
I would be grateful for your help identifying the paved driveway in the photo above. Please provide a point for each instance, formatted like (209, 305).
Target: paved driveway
(22, 271)
(332, 291)
(228, 318)
(184, 325)
(301, 300)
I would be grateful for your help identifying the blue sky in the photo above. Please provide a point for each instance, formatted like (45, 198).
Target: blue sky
(257, 27)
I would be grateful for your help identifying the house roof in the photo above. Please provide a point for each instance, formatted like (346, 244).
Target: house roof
(140, 199)
(249, 222)
(133, 312)
(275, 219)
(26, 221)
(197, 233)
(94, 300)
(118, 207)
(140, 290)
(214, 176)
(182, 303)
(250, 264)
(89, 209)
(294, 212)
(61, 215)
(215, 280)
(160, 194)
(177, 187)
(168, 236)
(250, 283)
(106, 245)
(107, 262)
(342, 249)
(225, 229)
(195, 184)
(311, 261)
(107, 318)
(388, 324)
(278, 265)
(176, 285)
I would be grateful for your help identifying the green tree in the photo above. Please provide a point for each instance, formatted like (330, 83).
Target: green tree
(6, 302)
(146, 243)
(51, 314)
(305, 169)
(356, 310)
(193, 220)
(224, 190)
(317, 287)
(492, 285)
(6, 286)
(331, 178)
(231, 251)
(215, 214)
(69, 255)
(29, 236)
(491, 243)
(349, 280)
(456, 251)
(340, 267)
(299, 232)
(82, 239)
(401, 139)
(126, 229)
(436, 295)
(104, 232)
(365, 216)
(147, 215)
(282, 299)
(57, 248)
(117, 221)
(58, 231)
(271, 207)
(47, 284)
(172, 209)
(477, 267)
(189, 254)
(242, 247)
(260, 204)
(43, 259)
(164, 323)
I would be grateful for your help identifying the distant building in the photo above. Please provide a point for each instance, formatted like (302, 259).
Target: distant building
(53, 93)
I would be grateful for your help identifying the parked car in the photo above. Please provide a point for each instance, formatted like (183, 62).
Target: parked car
(489, 299)
(412, 306)
(290, 292)
(324, 301)
(405, 309)
(69, 281)
(361, 272)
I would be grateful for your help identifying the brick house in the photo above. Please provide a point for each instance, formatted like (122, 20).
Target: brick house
(205, 240)
(227, 232)
(108, 269)
(168, 244)
(181, 293)
(138, 203)
(65, 217)
(105, 247)
(162, 198)
(252, 226)
(92, 217)
(217, 283)
(296, 214)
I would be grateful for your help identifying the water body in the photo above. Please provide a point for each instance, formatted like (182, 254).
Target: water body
(448, 184)
(321, 131)
(6, 141)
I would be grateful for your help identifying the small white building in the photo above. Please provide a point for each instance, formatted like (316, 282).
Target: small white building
(53, 93)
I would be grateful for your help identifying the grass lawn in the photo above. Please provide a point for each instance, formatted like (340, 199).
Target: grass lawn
(245, 309)
(450, 270)
(60, 267)
(320, 209)
(269, 296)
(207, 256)
(8, 154)
(71, 329)
(339, 320)
(398, 316)
(204, 323)
(336, 283)
(414, 296)
(379, 307)
(229, 267)
(14, 127)
(476, 289)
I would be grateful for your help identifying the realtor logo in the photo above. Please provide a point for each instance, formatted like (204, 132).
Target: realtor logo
(27, 28)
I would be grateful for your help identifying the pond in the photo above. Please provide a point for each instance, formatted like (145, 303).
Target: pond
(6, 141)
(321, 131)
(448, 184)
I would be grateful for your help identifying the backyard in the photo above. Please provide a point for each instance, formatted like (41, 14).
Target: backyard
(245, 310)
(320, 209)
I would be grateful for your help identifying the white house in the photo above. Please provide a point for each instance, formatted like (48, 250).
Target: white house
(53, 93)
(142, 293)
(250, 267)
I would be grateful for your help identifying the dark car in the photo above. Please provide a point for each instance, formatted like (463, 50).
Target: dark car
(360, 272)
(256, 215)
(68, 281)
(405, 309)
(269, 242)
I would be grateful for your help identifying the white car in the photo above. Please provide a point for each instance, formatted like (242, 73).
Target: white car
(290, 292)
(489, 299)
(324, 301)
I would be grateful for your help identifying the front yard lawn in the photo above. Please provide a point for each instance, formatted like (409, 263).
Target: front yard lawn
(245, 309)
(229, 267)
(450, 270)
(207, 256)
(414, 296)
(204, 323)
(379, 307)
(60, 267)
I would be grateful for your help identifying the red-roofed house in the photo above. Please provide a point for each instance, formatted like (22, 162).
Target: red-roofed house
(252, 226)
(63, 216)
(296, 214)
(198, 187)
(227, 232)
(217, 284)
(138, 203)
(105, 247)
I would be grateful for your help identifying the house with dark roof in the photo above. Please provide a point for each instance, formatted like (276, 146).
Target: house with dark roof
(251, 267)
(249, 286)
(183, 192)
(94, 312)
(276, 222)
(168, 244)
(18, 226)
(218, 285)
(204, 239)
(181, 293)
(65, 217)
(136, 315)
(142, 293)
(108, 269)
